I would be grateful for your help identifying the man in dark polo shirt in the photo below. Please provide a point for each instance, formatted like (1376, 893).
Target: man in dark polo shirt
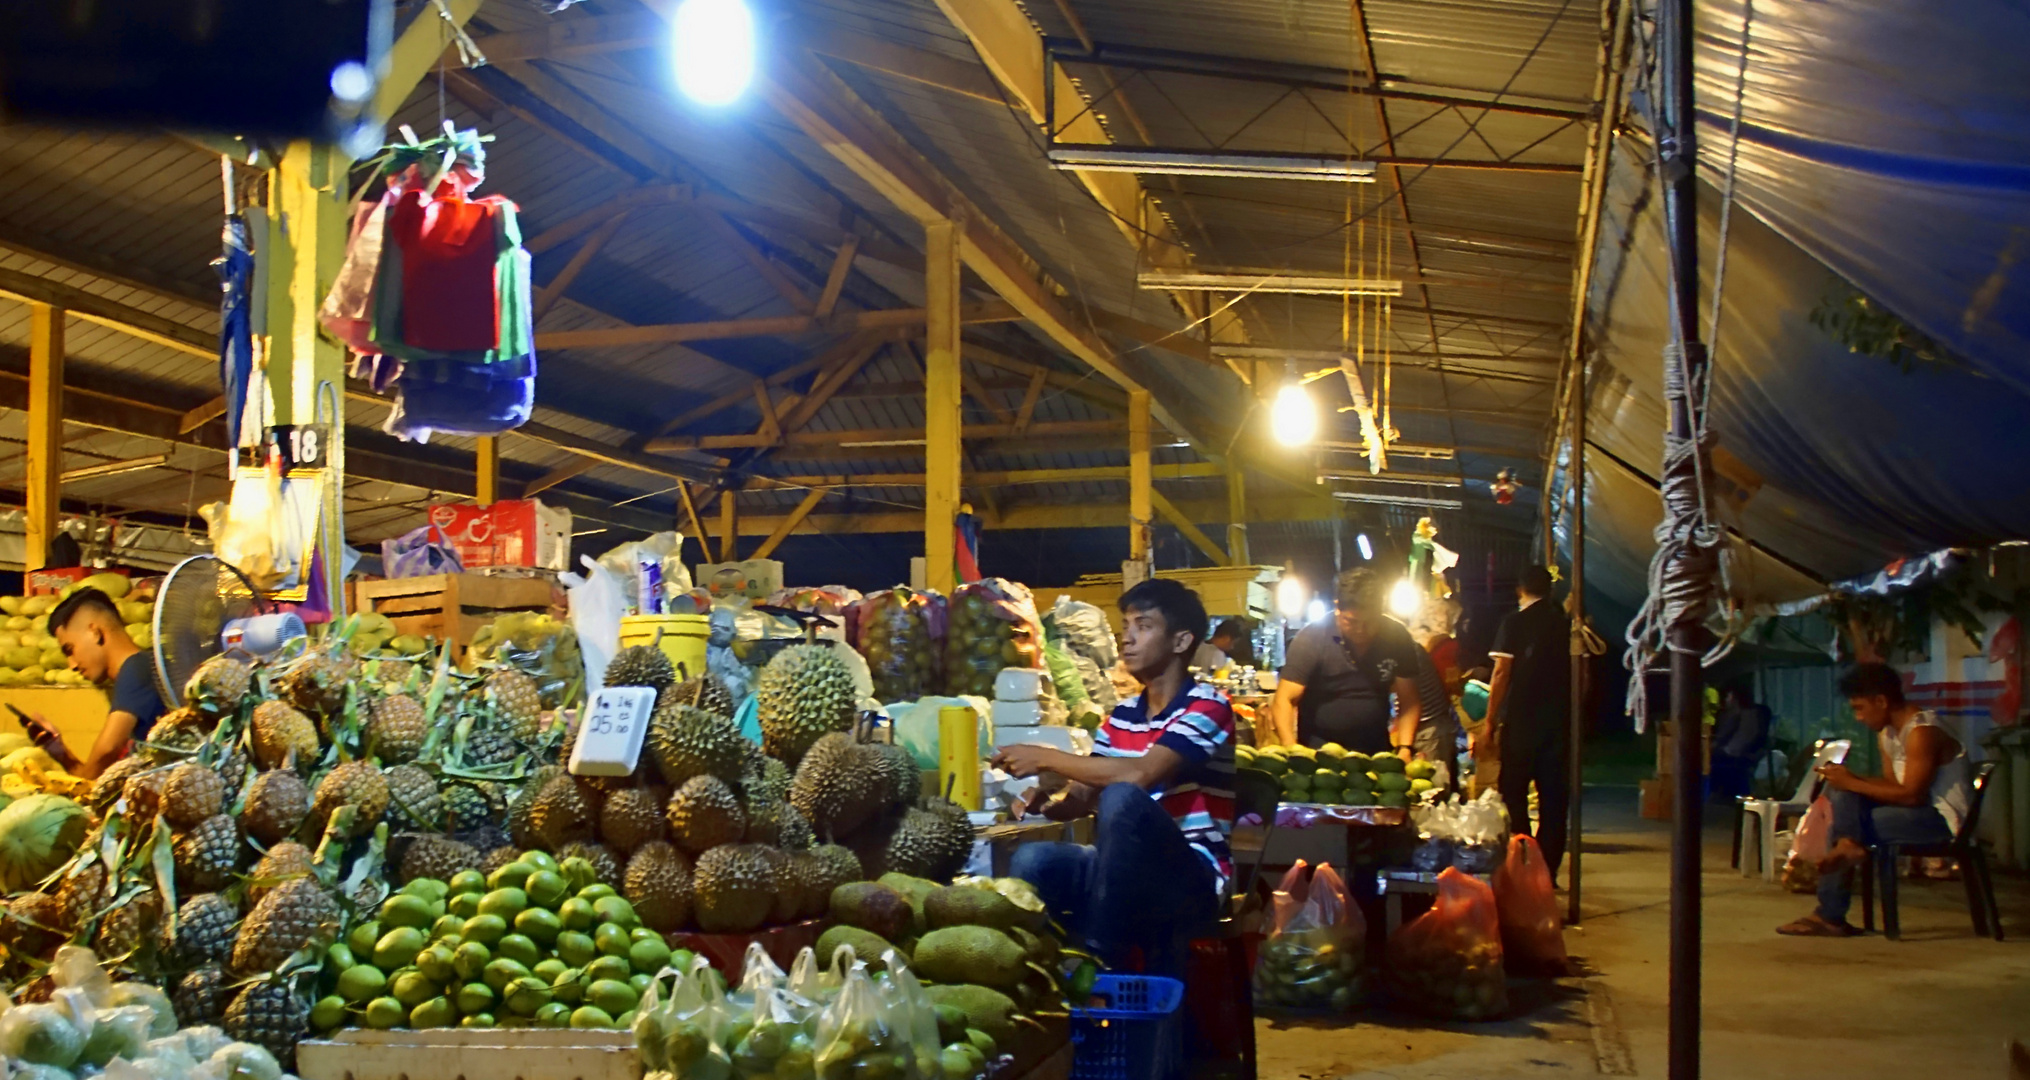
(1529, 706)
(87, 626)
(1339, 677)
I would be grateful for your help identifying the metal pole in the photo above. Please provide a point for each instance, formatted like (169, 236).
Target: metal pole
(1575, 476)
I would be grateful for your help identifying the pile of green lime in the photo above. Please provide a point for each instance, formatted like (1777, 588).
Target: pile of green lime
(532, 945)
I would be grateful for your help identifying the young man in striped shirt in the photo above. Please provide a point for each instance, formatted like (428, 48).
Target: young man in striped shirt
(1160, 780)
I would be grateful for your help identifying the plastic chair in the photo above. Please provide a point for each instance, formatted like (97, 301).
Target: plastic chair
(1964, 849)
(1254, 793)
(1768, 813)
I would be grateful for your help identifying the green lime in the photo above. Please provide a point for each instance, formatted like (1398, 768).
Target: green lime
(554, 1015)
(611, 940)
(510, 876)
(643, 933)
(436, 963)
(527, 994)
(596, 893)
(615, 968)
(519, 948)
(485, 929)
(588, 1017)
(427, 888)
(502, 972)
(579, 872)
(569, 987)
(577, 914)
(467, 881)
(338, 958)
(464, 905)
(612, 909)
(385, 1012)
(475, 997)
(640, 981)
(541, 924)
(361, 983)
(363, 937)
(413, 988)
(434, 1013)
(447, 926)
(506, 903)
(469, 960)
(550, 969)
(398, 948)
(539, 860)
(477, 1020)
(547, 888)
(625, 1020)
(576, 949)
(328, 1014)
(682, 959)
(649, 955)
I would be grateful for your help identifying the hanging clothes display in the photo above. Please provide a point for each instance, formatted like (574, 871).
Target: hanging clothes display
(236, 340)
(434, 295)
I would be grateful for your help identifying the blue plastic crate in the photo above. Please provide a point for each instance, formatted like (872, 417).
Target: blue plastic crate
(1139, 1036)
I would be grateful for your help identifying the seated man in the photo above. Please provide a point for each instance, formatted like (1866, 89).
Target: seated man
(1921, 798)
(1160, 780)
(1740, 740)
(87, 626)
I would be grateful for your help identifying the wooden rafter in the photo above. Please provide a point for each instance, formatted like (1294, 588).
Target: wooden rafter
(835, 280)
(789, 523)
(875, 437)
(1169, 512)
(758, 260)
(777, 326)
(548, 295)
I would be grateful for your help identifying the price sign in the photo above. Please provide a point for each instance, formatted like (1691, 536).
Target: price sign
(609, 743)
(298, 446)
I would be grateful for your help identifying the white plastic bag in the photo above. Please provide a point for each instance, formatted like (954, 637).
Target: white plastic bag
(1085, 628)
(597, 604)
(663, 549)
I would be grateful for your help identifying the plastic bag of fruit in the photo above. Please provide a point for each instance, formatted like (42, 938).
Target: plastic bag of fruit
(759, 974)
(774, 1038)
(990, 625)
(854, 1037)
(1448, 961)
(910, 1011)
(686, 1035)
(1532, 932)
(901, 633)
(834, 602)
(1315, 956)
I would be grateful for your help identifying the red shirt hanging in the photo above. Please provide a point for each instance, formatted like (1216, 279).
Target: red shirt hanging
(449, 249)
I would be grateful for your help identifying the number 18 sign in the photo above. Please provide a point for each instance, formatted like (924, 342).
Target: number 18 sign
(609, 742)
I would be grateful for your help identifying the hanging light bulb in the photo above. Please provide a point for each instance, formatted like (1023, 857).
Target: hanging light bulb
(1291, 596)
(1405, 599)
(1315, 613)
(714, 53)
(1366, 547)
(1294, 416)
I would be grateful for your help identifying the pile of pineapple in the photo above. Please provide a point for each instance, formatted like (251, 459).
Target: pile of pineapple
(266, 815)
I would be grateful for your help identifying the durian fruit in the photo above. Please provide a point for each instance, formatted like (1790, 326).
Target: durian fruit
(269, 1014)
(353, 783)
(836, 865)
(561, 814)
(437, 858)
(413, 801)
(790, 886)
(900, 776)
(933, 842)
(192, 793)
(207, 855)
(284, 921)
(632, 817)
(281, 730)
(285, 861)
(200, 997)
(809, 873)
(839, 786)
(704, 814)
(765, 778)
(205, 927)
(519, 703)
(218, 685)
(777, 824)
(396, 729)
(688, 742)
(658, 884)
(34, 924)
(319, 681)
(804, 693)
(707, 692)
(277, 802)
(605, 865)
(641, 665)
(498, 857)
(733, 888)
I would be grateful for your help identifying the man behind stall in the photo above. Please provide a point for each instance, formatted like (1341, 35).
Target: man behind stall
(1529, 705)
(87, 626)
(1160, 780)
(1340, 675)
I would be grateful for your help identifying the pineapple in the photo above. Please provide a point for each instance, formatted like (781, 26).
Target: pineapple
(207, 855)
(466, 807)
(319, 680)
(83, 894)
(233, 770)
(218, 685)
(354, 783)
(191, 794)
(519, 702)
(277, 803)
(285, 861)
(488, 746)
(413, 799)
(129, 926)
(205, 927)
(107, 788)
(200, 997)
(285, 920)
(176, 735)
(437, 858)
(33, 925)
(282, 733)
(143, 794)
(397, 729)
(269, 1014)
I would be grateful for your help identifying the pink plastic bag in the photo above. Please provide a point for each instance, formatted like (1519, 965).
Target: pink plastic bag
(1814, 841)
(1532, 933)
(1315, 956)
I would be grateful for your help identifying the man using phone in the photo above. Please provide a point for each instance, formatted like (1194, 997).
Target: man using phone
(87, 626)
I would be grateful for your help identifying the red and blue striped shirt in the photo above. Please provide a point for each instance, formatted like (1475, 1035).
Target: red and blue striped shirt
(1199, 726)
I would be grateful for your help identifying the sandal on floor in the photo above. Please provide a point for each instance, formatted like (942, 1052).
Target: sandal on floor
(1813, 926)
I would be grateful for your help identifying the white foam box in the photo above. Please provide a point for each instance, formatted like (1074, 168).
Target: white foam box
(1061, 738)
(1019, 684)
(1016, 714)
(470, 1054)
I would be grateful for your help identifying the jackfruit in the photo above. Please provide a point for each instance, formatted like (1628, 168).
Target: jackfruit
(867, 947)
(956, 905)
(914, 889)
(877, 909)
(804, 693)
(977, 954)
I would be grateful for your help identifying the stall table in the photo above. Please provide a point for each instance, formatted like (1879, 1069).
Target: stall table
(1007, 836)
(1392, 885)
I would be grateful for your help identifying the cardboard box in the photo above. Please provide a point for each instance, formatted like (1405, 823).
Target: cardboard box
(49, 582)
(513, 532)
(752, 579)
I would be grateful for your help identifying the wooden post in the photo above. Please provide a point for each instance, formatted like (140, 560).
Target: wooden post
(1236, 513)
(729, 525)
(487, 489)
(1141, 507)
(942, 454)
(45, 430)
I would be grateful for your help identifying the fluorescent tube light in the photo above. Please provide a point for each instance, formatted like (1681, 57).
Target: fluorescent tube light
(1258, 166)
(1266, 281)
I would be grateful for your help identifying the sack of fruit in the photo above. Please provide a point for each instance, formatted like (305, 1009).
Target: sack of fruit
(1532, 933)
(1315, 956)
(990, 625)
(900, 631)
(1448, 961)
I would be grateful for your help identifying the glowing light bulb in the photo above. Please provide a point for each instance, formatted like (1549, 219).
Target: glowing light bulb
(1291, 596)
(1316, 612)
(1405, 599)
(714, 53)
(1366, 547)
(1294, 416)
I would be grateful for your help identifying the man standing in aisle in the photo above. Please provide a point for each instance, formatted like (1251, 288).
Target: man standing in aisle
(1217, 652)
(1529, 706)
(1160, 779)
(1339, 677)
(87, 626)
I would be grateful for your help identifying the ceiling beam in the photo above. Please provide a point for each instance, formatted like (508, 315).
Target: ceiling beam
(92, 307)
(1003, 477)
(775, 326)
(1051, 516)
(878, 440)
(415, 53)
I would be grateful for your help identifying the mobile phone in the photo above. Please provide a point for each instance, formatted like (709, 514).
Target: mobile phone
(38, 733)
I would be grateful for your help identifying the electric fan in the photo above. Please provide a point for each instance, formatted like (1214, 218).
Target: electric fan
(206, 607)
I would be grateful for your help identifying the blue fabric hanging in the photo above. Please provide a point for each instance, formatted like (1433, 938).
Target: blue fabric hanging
(236, 339)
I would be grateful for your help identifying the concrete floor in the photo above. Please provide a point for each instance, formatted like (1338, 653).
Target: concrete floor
(1940, 1003)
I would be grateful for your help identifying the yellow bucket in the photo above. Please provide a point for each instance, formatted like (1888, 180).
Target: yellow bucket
(684, 638)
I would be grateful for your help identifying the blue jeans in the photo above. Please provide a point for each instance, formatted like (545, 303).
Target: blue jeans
(1870, 823)
(1139, 885)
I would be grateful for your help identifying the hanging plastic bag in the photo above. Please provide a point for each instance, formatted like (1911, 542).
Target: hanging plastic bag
(910, 1011)
(420, 552)
(990, 625)
(347, 311)
(774, 1040)
(1315, 957)
(1532, 933)
(1481, 829)
(759, 974)
(1813, 842)
(1085, 629)
(854, 1037)
(596, 607)
(1448, 961)
(698, 1022)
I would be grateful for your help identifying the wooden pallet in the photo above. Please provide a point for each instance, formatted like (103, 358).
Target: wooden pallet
(450, 607)
(470, 1054)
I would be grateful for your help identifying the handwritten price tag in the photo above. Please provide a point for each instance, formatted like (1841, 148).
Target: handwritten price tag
(610, 742)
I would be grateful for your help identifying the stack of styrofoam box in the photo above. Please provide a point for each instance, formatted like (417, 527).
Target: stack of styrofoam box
(1018, 711)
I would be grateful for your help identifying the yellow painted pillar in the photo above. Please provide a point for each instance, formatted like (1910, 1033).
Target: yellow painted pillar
(941, 428)
(729, 525)
(1236, 513)
(45, 430)
(486, 490)
(1141, 506)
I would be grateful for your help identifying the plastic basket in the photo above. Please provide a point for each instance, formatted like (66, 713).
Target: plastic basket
(1138, 1036)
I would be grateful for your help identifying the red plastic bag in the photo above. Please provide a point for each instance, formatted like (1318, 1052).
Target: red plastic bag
(1448, 961)
(1813, 842)
(1532, 933)
(1315, 957)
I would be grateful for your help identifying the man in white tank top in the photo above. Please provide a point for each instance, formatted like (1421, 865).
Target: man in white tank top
(1920, 799)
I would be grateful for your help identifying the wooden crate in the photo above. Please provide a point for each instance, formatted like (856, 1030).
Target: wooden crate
(470, 1054)
(450, 607)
